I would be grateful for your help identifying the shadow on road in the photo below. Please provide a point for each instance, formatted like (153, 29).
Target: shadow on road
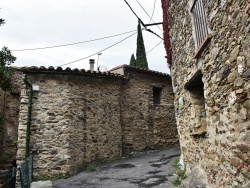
(151, 169)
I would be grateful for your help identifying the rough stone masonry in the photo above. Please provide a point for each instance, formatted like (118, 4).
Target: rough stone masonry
(212, 99)
(81, 116)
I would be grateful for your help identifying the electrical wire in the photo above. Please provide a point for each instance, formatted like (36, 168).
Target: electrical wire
(97, 52)
(149, 30)
(142, 21)
(132, 10)
(152, 13)
(154, 47)
(70, 44)
(147, 13)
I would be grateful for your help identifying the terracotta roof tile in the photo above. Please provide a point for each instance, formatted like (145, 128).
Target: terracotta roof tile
(60, 70)
(68, 70)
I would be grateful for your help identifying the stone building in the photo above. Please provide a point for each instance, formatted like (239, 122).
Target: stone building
(9, 108)
(208, 47)
(147, 111)
(79, 116)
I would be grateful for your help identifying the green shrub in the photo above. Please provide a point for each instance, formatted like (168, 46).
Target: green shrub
(181, 174)
(92, 167)
(176, 182)
(175, 163)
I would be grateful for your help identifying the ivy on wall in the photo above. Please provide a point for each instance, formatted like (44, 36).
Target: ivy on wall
(6, 72)
(167, 42)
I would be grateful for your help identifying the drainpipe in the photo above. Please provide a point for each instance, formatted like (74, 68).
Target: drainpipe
(30, 94)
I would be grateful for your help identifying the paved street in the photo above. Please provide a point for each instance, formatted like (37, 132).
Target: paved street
(144, 170)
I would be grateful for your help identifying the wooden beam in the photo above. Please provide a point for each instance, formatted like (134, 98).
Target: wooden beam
(202, 46)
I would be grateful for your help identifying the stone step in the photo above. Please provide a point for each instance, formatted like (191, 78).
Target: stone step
(41, 184)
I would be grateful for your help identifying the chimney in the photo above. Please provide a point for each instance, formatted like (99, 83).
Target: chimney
(91, 64)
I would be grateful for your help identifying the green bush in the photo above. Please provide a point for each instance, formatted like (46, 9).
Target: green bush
(175, 163)
(181, 174)
(176, 182)
(6, 72)
(92, 167)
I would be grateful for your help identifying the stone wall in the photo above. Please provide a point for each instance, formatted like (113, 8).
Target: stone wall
(93, 117)
(221, 149)
(147, 125)
(75, 120)
(9, 106)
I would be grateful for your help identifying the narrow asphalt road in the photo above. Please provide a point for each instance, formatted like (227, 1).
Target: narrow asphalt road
(151, 169)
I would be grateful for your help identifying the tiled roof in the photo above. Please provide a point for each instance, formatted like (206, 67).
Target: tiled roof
(68, 71)
(140, 70)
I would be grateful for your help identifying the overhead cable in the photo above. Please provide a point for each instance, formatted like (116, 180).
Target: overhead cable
(152, 13)
(147, 13)
(132, 10)
(70, 44)
(154, 47)
(98, 51)
(149, 30)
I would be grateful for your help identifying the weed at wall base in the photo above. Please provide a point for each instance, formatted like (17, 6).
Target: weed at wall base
(181, 174)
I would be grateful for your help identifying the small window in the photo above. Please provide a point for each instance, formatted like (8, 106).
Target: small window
(200, 26)
(157, 95)
(194, 86)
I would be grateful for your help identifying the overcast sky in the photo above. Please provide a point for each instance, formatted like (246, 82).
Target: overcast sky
(34, 24)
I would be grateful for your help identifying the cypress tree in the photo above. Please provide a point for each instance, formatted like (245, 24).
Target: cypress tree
(141, 59)
(132, 60)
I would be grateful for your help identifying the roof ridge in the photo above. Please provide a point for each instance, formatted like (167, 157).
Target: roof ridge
(75, 71)
(139, 69)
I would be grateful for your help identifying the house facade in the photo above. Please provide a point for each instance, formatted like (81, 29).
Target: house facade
(75, 117)
(147, 109)
(210, 60)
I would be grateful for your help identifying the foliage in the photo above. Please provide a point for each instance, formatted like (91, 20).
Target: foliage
(92, 167)
(141, 58)
(167, 41)
(180, 172)
(6, 59)
(132, 60)
(175, 163)
(1, 21)
(176, 182)
(181, 176)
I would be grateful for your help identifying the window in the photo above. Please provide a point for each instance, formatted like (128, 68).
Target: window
(200, 26)
(157, 95)
(198, 125)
